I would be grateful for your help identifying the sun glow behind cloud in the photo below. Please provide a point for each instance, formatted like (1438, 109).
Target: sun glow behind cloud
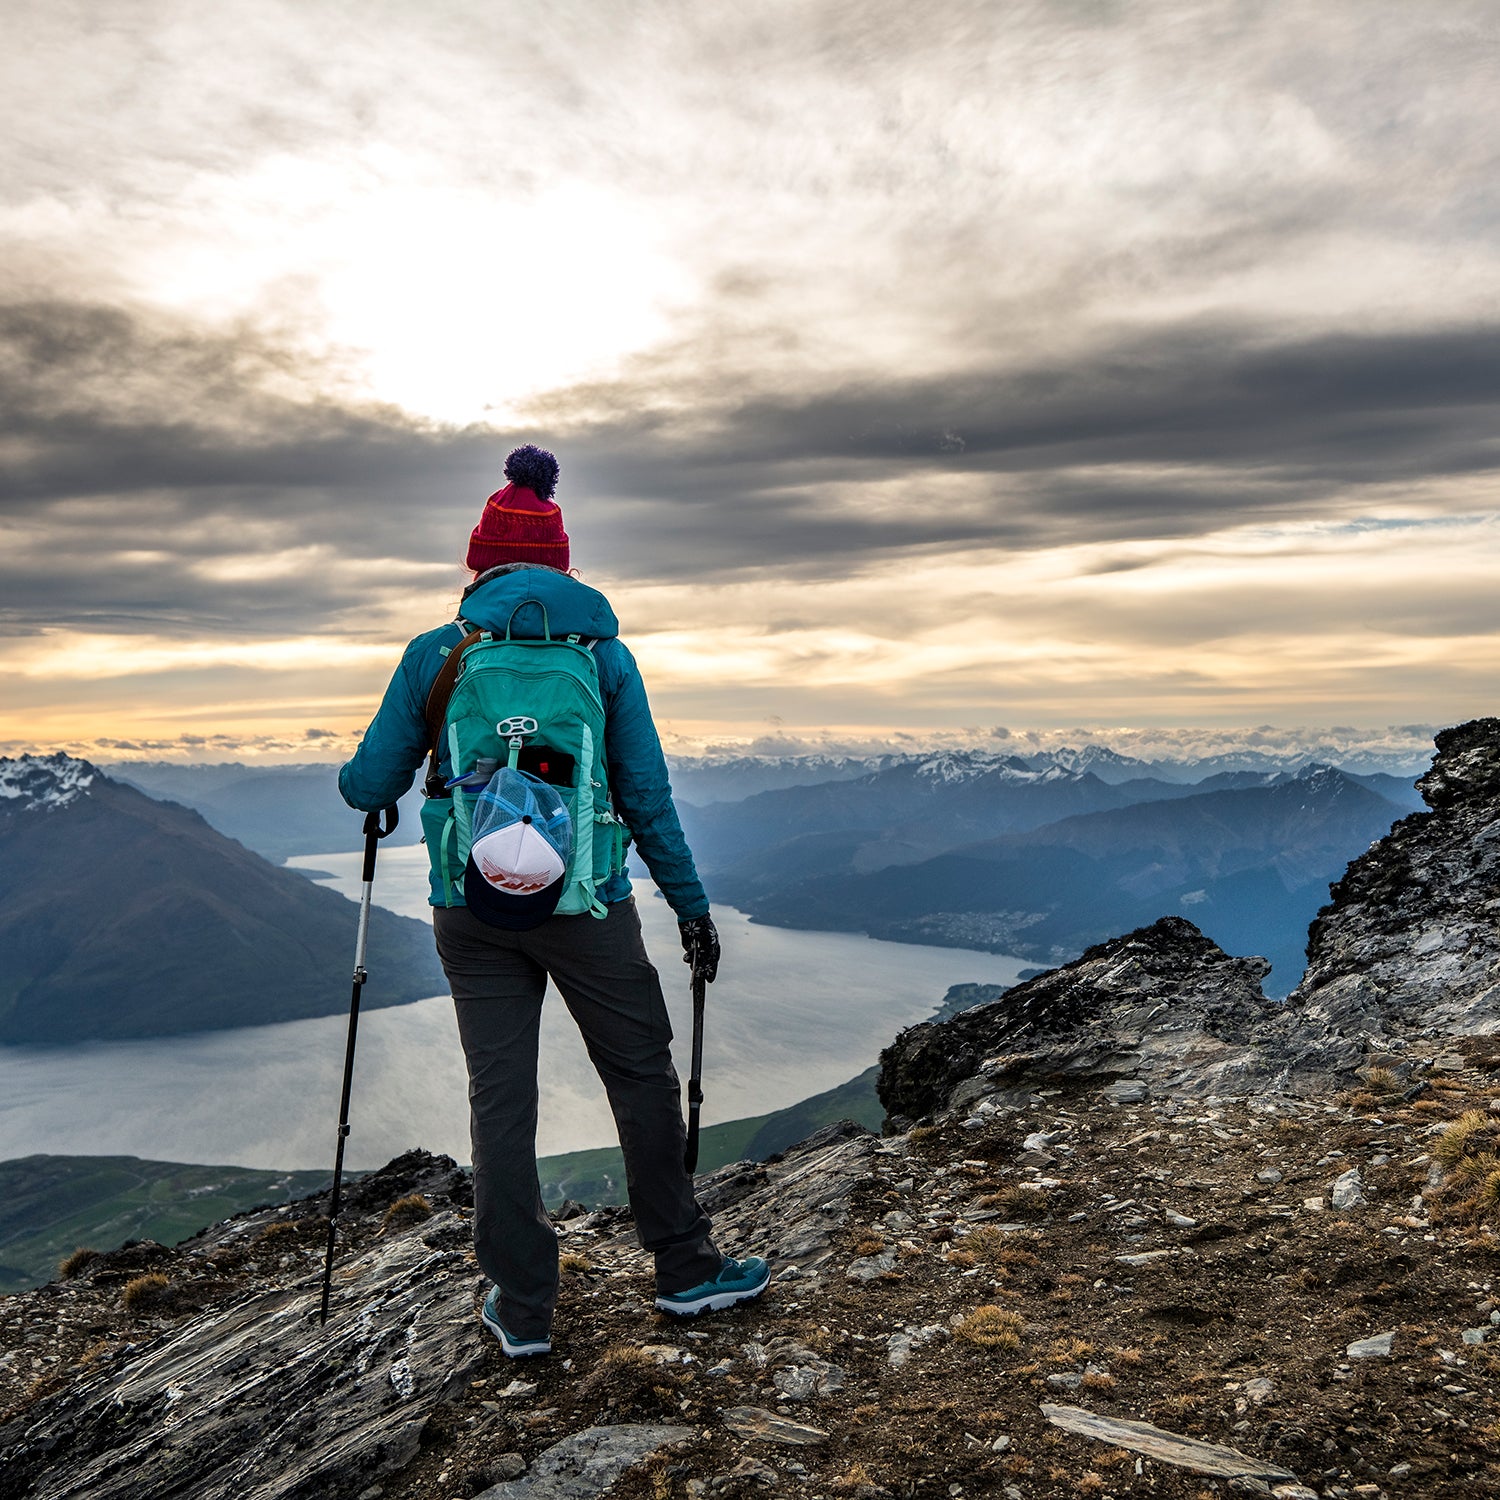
(457, 303)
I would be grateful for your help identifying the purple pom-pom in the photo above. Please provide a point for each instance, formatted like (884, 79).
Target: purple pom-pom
(533, 469)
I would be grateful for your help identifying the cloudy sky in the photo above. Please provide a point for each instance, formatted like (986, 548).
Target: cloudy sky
(1041, 365)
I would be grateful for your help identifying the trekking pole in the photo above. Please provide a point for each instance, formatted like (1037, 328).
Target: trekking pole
(373, 832)
(695, 1082)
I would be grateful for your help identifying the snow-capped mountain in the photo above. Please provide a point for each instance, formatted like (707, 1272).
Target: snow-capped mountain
(33, 783)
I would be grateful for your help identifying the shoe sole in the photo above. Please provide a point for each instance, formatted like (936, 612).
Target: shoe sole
(714, 1302)
(513, 1349)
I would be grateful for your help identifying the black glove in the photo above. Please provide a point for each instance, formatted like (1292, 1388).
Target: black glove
(700, 945)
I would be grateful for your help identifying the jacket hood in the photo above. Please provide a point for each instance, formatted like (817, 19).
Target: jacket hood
(513, 596)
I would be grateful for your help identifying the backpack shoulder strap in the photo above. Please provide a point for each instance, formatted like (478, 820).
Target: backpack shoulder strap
(436, 709)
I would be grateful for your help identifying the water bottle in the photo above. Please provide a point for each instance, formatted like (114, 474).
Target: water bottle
(479, 777)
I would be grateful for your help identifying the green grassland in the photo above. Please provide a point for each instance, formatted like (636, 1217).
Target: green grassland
(51, 1205)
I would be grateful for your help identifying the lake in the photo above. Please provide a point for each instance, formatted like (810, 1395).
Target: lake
(792, 1014)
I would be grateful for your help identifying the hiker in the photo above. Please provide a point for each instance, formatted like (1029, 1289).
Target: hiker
(522, 588)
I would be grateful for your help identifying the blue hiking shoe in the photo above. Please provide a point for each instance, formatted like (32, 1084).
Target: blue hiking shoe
(514, 1347)
(737, 1281)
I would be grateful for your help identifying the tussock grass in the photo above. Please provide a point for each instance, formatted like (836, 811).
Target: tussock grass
(146, 1293)
(1070, 1351)
(1178, 1408)
(630, 1382)
(1018, 1201)
(1461, 1139)
(74, 1264)
(404, 1212)
(997, 1249)
(1477, 1167)
(1487, 1199)
(991, 1327)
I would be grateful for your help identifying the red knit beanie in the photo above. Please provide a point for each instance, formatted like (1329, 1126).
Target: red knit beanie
(522, 522)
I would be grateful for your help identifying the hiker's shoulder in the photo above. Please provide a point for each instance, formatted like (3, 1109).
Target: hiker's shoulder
(431, 643)
(616, 664)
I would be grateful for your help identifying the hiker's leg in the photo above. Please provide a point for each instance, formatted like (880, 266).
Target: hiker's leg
(497, 994)
(601, 969)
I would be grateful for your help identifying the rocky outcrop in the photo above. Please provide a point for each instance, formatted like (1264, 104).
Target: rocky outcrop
(1410, 944)
(1161, 1008)
(1182, 1275)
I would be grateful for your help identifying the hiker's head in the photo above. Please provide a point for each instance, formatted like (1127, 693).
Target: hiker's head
(522, 523)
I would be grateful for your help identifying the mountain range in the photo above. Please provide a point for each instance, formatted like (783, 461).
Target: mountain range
(283, 811)
(976, 852)
(731, 776)
(1037, 855)
(122, 916)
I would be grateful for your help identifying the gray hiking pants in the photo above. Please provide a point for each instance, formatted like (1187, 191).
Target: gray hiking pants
(601, 970)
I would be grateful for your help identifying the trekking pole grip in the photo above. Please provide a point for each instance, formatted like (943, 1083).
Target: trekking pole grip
(374, 830)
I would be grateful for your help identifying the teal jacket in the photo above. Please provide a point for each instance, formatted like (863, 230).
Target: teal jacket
(395, 745)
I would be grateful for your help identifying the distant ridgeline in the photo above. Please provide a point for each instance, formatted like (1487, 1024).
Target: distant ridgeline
(122, 916)
(278, 811)
(991, 852)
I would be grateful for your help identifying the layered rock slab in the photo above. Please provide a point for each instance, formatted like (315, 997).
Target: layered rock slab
(257, 1401)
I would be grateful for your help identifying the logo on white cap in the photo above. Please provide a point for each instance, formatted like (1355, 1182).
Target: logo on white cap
(517, 860)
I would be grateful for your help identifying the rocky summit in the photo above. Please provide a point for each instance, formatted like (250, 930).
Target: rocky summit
(1163, 1008)
(1133, 1230)
(1411, 941)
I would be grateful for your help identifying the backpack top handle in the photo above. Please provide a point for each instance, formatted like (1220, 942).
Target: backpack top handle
(546, 623)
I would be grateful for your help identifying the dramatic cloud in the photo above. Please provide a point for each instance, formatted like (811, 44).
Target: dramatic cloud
(1024, 363)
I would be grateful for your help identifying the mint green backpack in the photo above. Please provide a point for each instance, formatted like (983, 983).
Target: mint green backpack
(535, 706)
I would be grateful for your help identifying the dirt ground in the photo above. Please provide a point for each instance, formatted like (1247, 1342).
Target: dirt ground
(986, 1269)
